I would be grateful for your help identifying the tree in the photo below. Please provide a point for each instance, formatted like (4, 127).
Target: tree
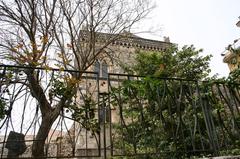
(161, 111)
(39, 33)
(186, 63)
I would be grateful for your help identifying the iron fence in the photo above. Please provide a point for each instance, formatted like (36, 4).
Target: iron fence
(123, 115)
(69, 136)
(173, 117)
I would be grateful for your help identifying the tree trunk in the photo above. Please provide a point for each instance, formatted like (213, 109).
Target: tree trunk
(39, 142)
(49, 114)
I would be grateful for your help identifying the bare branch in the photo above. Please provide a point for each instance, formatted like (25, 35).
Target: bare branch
(65, 33)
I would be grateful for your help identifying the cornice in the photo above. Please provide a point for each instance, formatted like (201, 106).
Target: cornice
(128, 40)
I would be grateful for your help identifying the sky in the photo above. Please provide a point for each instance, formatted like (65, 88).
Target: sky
(207, 24)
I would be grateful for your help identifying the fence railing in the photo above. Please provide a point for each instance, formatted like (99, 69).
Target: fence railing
(122, 115)
(70, 135)
(173, 117)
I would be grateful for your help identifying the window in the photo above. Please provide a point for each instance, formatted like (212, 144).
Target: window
(97, 67)
(101, 68)
(104, 114)
(104, 70)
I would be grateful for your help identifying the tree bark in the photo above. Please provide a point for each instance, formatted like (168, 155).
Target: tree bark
(39, 142)
(49, 114)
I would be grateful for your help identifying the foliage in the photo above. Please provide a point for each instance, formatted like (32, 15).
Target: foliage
(85, 113)
(159, 122)
(64, 89)
(180, 118)
(234, 76)
(63, 34)
(166, 114)
(184, 63)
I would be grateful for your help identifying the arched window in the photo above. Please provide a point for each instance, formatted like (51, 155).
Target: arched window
(104, 70)
(97, 67)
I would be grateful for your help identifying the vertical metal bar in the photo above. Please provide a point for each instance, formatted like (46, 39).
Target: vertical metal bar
(120, 105)
(86, 133)
(5, 135)
(104, 129)
(110, 117)
(206, 119)
(104, 124)
(99, 123)
(178, 113)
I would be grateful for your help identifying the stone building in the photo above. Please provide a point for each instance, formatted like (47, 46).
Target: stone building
(122, 50)
(72, 138)
(77, 140)
(232, 58)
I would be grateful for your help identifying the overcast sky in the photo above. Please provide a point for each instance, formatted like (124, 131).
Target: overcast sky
(207, 24)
